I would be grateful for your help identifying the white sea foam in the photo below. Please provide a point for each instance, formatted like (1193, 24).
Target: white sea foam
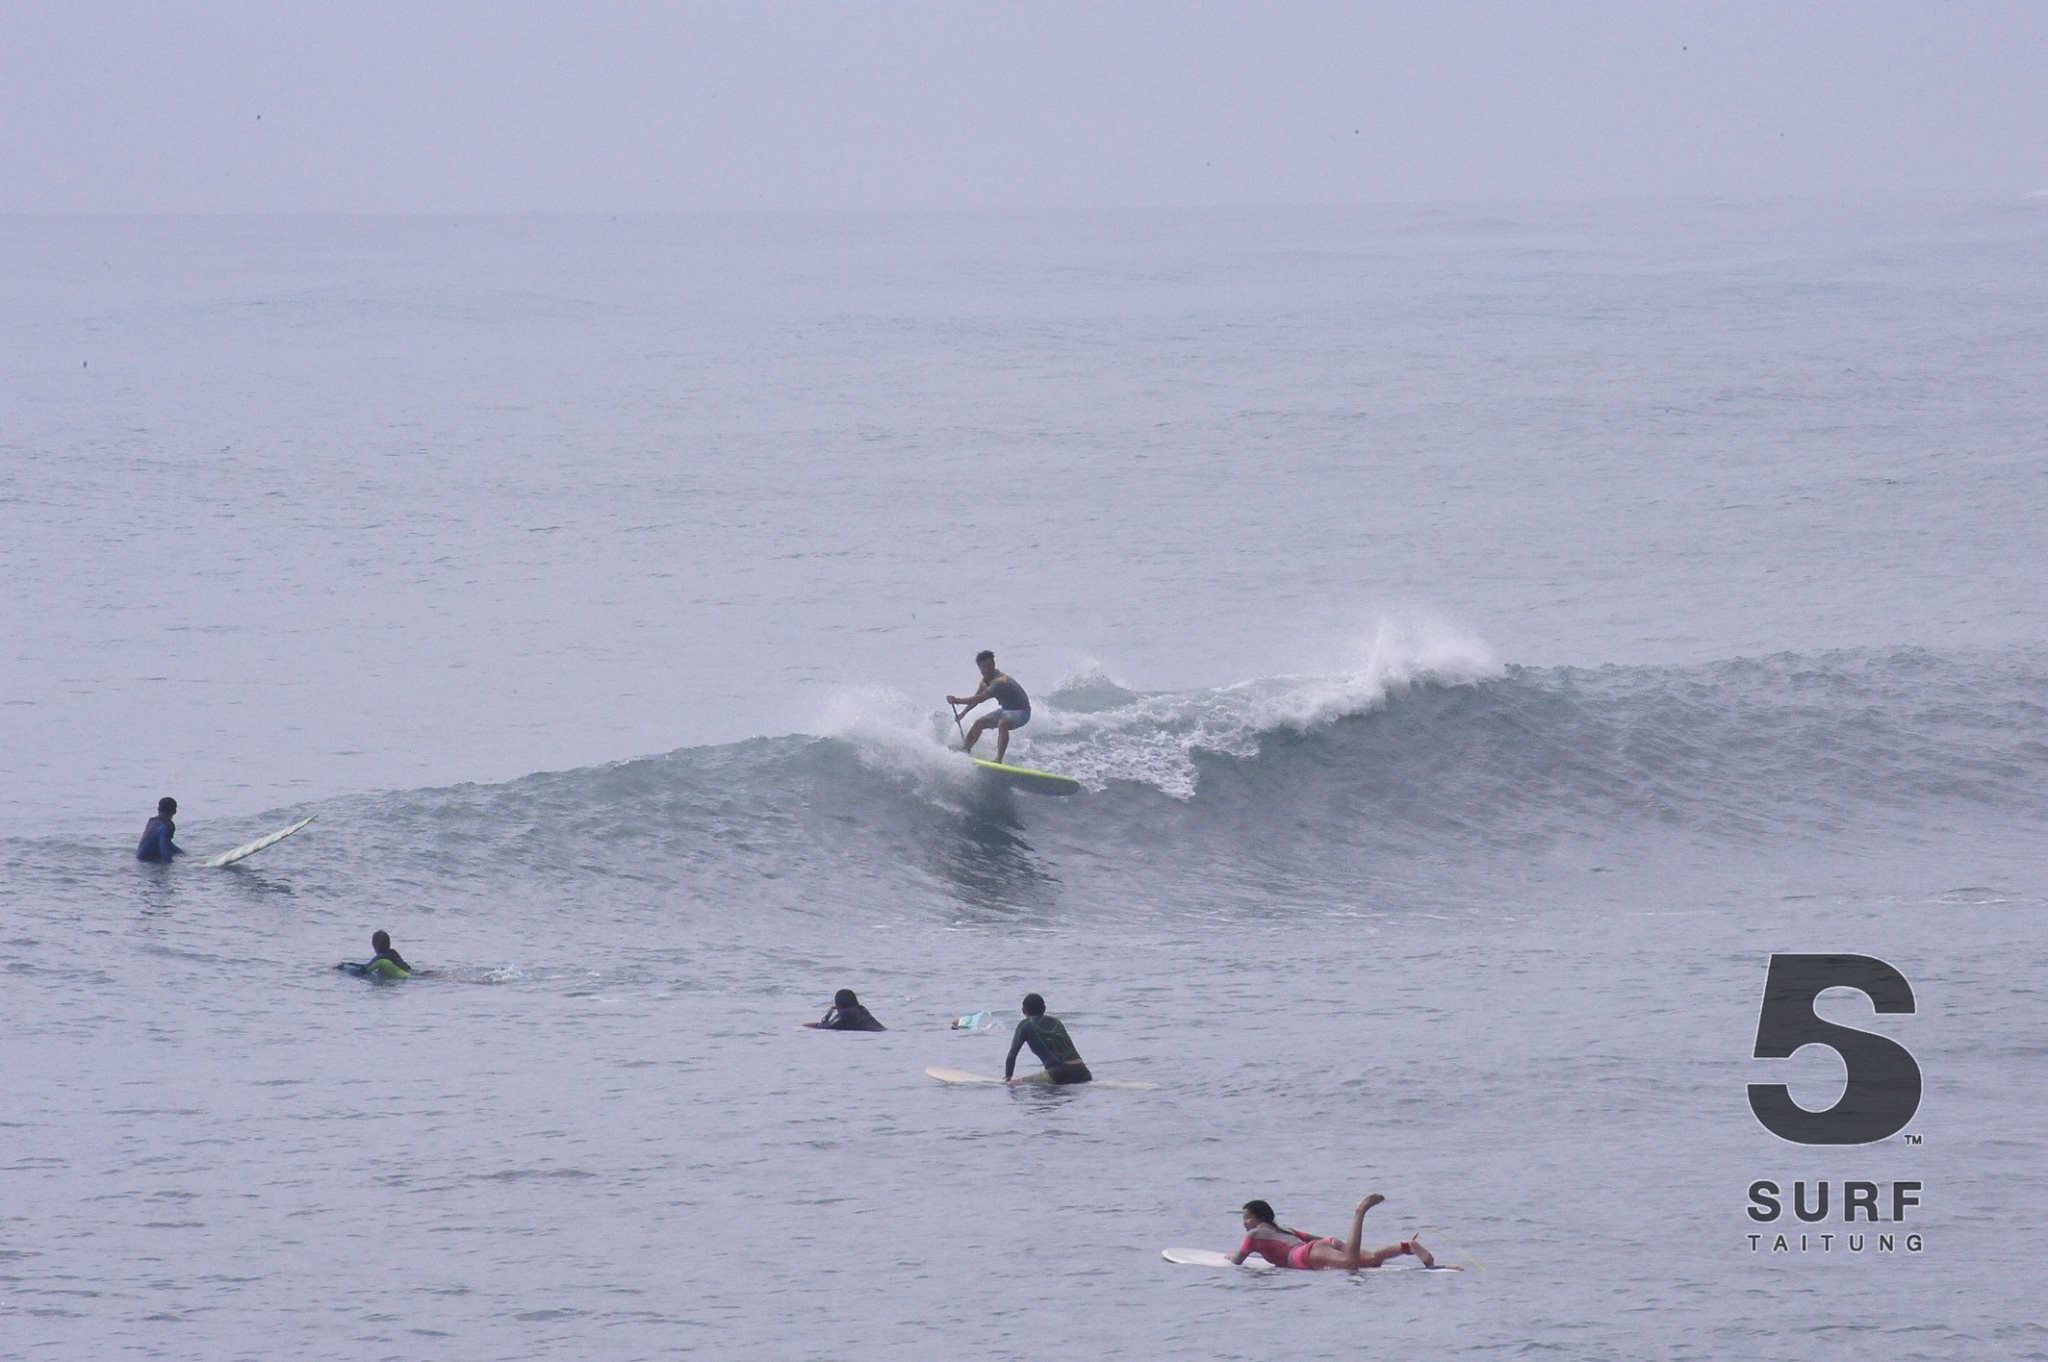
(1408, 650)
(892, 734)
(1155, 739)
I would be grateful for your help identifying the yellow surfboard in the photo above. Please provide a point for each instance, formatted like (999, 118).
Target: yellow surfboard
(1024, 778)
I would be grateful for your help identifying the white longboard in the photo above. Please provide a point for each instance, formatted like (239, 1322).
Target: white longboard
(1193, 1257)
(945, 1075)
(251, 848)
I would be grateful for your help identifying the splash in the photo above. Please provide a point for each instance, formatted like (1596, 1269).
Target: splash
(890, 733)
(1401, 654)
(1104, 731)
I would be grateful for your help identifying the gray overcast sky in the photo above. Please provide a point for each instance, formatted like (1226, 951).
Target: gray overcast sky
(288, 106)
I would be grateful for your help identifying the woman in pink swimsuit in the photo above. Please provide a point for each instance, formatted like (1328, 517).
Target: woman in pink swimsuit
(1299, 1248)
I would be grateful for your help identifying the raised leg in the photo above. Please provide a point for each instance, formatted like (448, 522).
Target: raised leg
(1330, 1253)
(1358, 1228)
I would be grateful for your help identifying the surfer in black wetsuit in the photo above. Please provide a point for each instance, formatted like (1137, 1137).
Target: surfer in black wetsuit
(156, 844)
(385, 964)
(1048, 1040)
(1013, 706)
(848, 1015)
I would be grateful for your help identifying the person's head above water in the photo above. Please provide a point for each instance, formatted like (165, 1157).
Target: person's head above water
(166, 806)
(380, 940)
(1034, 1006)
(1258, 1213)
(986, 660)
(844, 998)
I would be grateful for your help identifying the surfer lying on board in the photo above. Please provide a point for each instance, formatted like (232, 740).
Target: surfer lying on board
(1299, 1248)
(1013, 706)
(848, 1015)
(1048, 1040)
(385, 964)
(156, 842)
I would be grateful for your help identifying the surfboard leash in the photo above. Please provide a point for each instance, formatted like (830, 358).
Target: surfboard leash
(1443, 1236)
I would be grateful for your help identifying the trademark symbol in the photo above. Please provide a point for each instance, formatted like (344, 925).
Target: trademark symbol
(1912, 1139)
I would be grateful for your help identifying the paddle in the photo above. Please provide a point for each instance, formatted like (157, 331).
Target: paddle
(955, 711)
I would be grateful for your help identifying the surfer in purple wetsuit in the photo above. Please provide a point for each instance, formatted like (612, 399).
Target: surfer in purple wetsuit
(1013, 706)
(1298, 1248)
(156, 844)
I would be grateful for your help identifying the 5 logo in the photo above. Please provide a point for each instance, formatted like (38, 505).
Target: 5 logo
(1883, 1088)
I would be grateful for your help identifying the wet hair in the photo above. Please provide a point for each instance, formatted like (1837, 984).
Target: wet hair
(166, 806)
(985, 655)
(381, 940)
(1263, 1211)
(844, 998)
(1034, 1006)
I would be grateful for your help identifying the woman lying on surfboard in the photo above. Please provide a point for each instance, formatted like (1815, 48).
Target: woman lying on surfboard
(1299, 1248)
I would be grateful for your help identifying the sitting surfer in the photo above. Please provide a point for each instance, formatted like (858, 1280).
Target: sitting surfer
(385, 964)
(1299, 1248)
(156, 842)
(1013, 706)
(848, 1015)
(1048, 1040)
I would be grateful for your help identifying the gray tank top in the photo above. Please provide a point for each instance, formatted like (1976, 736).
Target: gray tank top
(1008, 693)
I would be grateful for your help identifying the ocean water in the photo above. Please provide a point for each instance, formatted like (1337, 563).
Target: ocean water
(1485, 639)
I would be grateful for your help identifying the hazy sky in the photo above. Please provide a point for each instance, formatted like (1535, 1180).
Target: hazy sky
(342, 105)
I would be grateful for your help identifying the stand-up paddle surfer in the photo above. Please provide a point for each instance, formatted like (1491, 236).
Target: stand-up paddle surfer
(1013, 706)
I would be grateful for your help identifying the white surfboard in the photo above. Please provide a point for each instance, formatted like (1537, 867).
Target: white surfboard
(251, 848)
(945, 1075)
(1193, 1257)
